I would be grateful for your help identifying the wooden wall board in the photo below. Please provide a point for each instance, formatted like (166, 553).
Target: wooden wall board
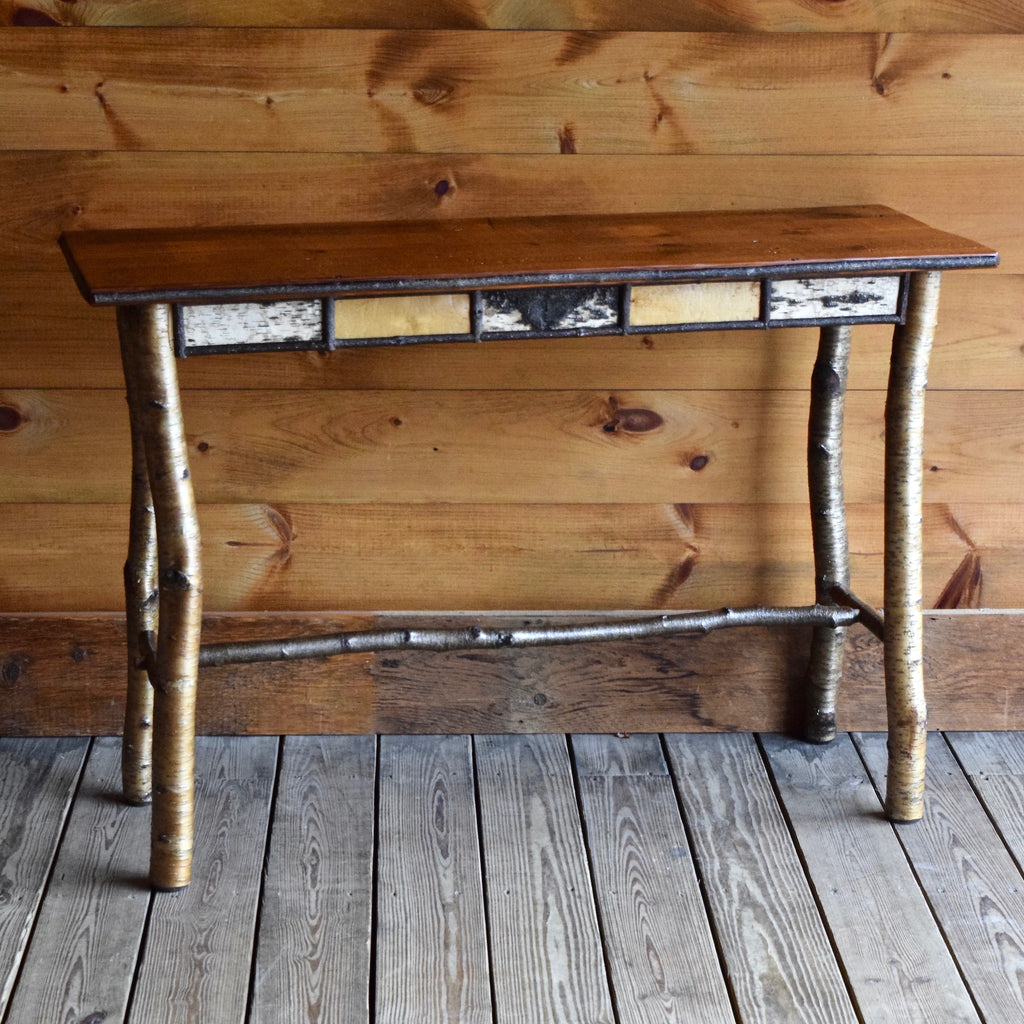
(506, 447)
(63, 675)
(980, 197)
(309, 557)
(655, 15)
(538, 92)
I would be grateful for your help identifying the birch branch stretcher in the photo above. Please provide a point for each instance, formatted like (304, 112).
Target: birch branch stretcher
(182, 292)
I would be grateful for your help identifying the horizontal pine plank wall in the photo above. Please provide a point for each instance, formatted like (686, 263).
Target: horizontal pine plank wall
(642, 472)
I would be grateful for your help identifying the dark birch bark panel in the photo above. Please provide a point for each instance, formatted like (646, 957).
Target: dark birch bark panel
(546, 954)
(893, 953)
(779, 962)
(80, 964)
(37, 783)
(658, 942)
(548, 309)
(199, 946)
(313, 946)
(972, 882)
(431, 962)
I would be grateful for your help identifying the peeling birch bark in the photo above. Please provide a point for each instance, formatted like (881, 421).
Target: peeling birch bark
(828, 525)
(904, 453)
(146, 330)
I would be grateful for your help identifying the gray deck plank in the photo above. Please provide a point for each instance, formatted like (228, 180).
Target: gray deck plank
(660, 949)
(994, 764)
(80, 963)
(802, 879)
(199, 946)
(973, 884)
(895, 958)
(546, 953)
(432, 965)
(780, 962)
(313, 949)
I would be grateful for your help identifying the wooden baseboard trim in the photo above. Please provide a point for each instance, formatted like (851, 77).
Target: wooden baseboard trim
(61, 675)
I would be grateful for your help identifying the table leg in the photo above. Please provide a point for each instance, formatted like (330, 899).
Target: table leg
(828, 525)
(156, 402)
(141, 596)
(904, 454)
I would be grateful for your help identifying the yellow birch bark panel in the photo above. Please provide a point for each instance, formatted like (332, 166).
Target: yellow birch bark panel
(396, 316)
(694, 303)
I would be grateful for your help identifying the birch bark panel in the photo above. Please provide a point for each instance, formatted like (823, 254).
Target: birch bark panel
(253, 323)
(632, 92)
(696, 16)
(662, 957)
(63, 344)
(760, 901)
(86, 942)
(711, 302)
(199, 944)
(37, 783)
(313, 943)
(971, 879)
(432, 961)
(402, 315)
(546, 952)
(859, 870)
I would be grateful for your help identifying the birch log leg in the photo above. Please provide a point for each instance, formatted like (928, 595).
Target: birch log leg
(157, 404)
(828, 525)
(140, 590)
(904, 453)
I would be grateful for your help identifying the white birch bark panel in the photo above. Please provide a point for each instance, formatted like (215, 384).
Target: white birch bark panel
(397, 316)
(822, 297)
(694, 302)
(253, 323)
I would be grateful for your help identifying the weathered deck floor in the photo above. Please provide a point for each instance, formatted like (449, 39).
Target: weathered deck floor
(518, 879)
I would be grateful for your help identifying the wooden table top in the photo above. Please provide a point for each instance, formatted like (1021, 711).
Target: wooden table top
(305, 260)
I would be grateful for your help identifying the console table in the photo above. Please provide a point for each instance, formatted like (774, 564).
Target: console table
(247, 289)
